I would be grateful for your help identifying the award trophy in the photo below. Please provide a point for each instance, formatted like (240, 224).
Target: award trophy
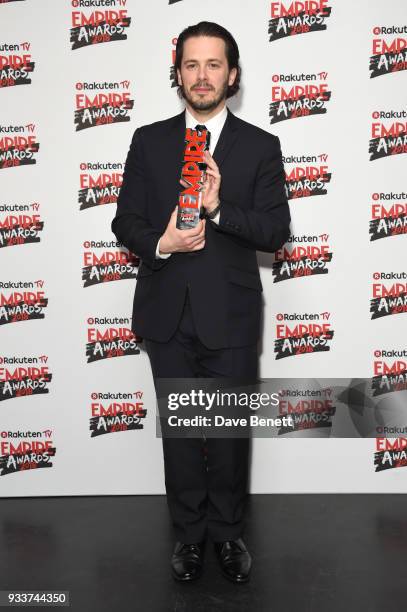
(193, 172)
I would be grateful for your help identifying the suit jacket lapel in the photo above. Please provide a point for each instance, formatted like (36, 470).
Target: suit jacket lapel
(226, 140)
(172, 151)
(176, 139)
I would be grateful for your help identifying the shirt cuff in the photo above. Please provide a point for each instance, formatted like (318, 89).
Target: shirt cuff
(159, 255)
(216, 218)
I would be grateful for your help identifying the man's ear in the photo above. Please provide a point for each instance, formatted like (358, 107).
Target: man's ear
(179, 79)
(232, 76)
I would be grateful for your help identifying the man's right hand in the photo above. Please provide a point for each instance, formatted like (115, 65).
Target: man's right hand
(175, 240)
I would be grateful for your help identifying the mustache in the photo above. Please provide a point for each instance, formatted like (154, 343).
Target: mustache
(198, 85)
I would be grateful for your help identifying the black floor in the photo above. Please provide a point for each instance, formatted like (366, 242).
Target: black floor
(310, 553)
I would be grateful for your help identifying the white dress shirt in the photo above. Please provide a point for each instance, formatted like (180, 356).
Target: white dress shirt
(214, 126)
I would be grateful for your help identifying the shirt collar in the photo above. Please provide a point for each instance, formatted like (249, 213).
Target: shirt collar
(214, 124)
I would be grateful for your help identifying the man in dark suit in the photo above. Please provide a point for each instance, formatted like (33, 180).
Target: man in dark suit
(197, 303)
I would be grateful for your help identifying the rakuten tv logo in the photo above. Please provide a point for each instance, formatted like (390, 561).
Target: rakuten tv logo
(18, 150)
(107, 338)
(20, 301)
(388, 138)
(23, 376)
(99, 184)
(390, 453)
(389, 53)
(315, 412)
(390, 371)
(301, 256)
(388, 299)
(308, 176)
(25, 455)
(388, 219)
(112, 412)
(302, 338)
(16, 64)
(108, 262)
(292, 101)
(173, 75)
(289, 19)
(17, 229)
(96, 27)
(102, 108)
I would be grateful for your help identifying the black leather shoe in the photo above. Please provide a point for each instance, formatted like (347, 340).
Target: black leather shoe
(234, 559)
(186, 561)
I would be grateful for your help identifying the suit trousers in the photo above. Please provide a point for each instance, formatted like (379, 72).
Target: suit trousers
(205, 478)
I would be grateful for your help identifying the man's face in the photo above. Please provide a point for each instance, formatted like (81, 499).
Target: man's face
(204, 75)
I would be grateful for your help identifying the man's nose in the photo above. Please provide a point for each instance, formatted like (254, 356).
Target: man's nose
(202, 74)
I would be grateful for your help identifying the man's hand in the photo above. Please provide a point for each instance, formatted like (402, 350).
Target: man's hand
(211, 184)
(175, 240)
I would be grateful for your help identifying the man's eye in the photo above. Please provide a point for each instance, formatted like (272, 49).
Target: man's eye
(214, 65)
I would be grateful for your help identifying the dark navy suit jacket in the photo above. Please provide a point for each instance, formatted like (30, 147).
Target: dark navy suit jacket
(223, 278)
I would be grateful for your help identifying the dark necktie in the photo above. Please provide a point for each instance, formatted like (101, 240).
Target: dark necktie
(199, 128)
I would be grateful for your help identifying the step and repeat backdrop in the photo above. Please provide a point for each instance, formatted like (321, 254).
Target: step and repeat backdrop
(77, 77)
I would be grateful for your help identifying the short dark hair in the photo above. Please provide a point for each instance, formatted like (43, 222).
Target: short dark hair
(209, 28)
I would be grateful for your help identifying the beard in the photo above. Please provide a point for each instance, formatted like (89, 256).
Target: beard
(201, 104)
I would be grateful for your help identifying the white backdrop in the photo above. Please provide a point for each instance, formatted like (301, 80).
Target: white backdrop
(129, 462)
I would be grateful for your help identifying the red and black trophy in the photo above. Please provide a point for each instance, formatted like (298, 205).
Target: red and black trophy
(193, 173)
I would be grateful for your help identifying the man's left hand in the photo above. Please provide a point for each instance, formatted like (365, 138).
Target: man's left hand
(211, 184)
